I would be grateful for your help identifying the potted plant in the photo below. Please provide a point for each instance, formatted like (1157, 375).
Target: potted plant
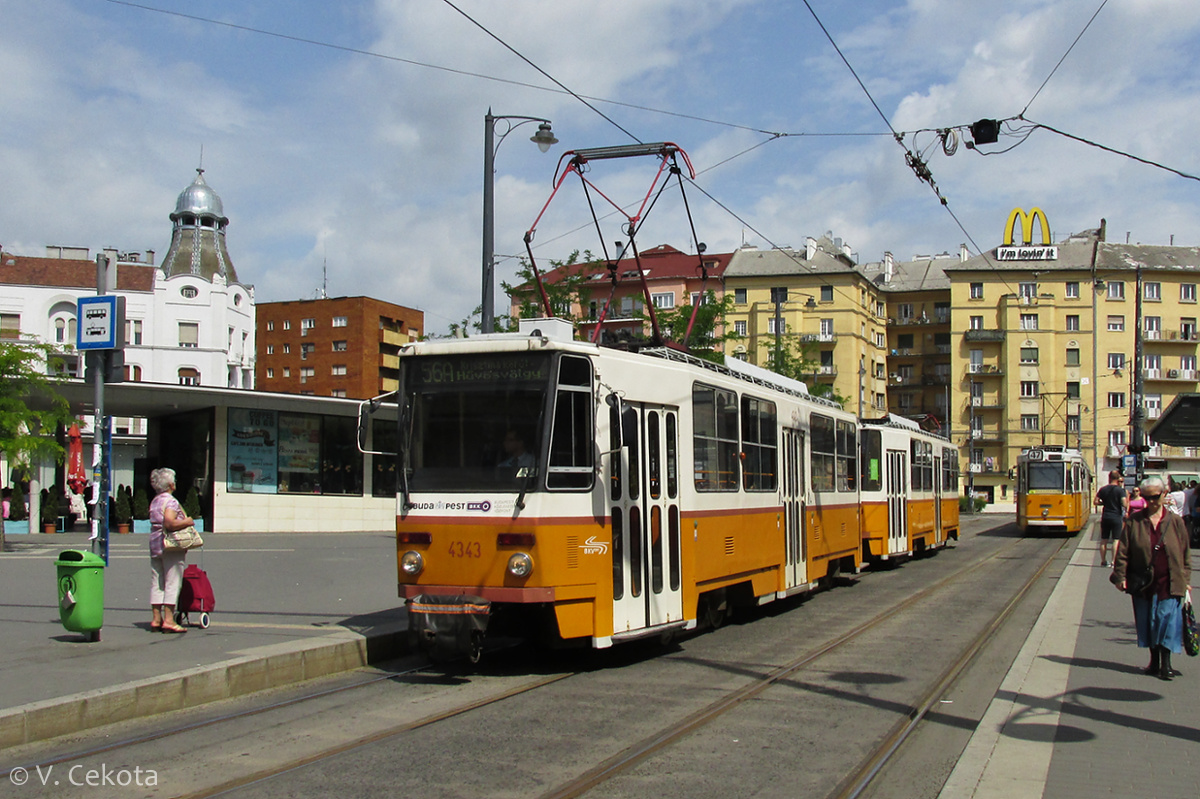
(141, 511)
(17, 523)
(191, 506)
(123, 511)
(49, 510)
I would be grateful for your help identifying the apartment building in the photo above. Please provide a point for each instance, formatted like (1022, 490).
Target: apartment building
(333, 347)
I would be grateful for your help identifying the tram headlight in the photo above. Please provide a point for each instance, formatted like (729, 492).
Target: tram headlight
(520, 565)
(411, 563)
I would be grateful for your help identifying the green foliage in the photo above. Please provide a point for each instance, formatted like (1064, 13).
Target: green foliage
(563, 292)
(16, 510)
(191, 503)
(794, 359)
(122, 508)
(704, 342)
(50, 498)
(141, 504)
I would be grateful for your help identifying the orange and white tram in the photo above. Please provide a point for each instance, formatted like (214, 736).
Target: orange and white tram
(909, 489)
(563, 488)
(1054, 489)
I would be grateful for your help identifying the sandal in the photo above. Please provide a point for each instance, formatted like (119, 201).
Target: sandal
(154, 628)
(175, 629)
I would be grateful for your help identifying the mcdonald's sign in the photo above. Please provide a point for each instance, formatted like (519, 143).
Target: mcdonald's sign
(1026, 251)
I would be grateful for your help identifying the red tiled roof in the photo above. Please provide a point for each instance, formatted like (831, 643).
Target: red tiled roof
(22, 270)
(663, 262)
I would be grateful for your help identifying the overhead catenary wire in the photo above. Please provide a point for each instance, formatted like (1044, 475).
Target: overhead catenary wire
(1064, 57)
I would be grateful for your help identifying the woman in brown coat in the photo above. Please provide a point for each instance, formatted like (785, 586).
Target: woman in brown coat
(1154, 565)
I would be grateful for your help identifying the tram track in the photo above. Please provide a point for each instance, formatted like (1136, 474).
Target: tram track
(638, 752)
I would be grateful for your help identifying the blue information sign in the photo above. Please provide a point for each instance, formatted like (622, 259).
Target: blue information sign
(101, 323)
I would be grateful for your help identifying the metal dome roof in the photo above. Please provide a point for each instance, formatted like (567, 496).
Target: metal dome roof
(199, 199)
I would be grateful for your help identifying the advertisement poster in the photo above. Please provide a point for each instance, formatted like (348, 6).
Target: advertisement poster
(299, 453)
(252, 451)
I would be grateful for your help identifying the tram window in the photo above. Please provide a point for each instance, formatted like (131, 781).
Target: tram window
(656, 550)
(673, 544)
(653, 455)
(614, 453)
(824, 452)
(635, 552)
(847, 457)
(672, 458)
(575, 372)
(618, 552)
(629, 429)
(922, 466)
(715, 438)
(759, 445)
(1046, 476)
(949, 469)
(571, 440)
(872, 460)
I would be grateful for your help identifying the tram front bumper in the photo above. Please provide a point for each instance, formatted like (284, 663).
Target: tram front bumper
(446, 625)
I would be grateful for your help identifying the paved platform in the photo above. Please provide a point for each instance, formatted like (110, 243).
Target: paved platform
(1075, 717)
(288, 608)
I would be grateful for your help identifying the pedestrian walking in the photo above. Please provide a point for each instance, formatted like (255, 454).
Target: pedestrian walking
(1114, 502)
(1153, 564)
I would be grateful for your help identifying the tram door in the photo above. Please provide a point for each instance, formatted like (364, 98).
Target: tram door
(647, 581)
(794, 482)
(938, 533)
(897, 500)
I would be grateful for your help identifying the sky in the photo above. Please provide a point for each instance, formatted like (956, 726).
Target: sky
(351, 134)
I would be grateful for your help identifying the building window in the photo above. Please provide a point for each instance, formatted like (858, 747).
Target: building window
(305, 349)
(1187, 328)
(1073, 389)
(133, 373)
(1116, 324)
(287, 349)
(1187, 292)
(270, 373)
(64, 330)
(338, 370)
(1072, 292)
(237, 300)
(1027, 289)
(189, 377)
(338, 392)
(133, 332)
(339, 346)
(1116, 399)
(1073, 425)
(1116, 438)
(904, 311)
(1072, 356)
(739, 296)
(826, 329)
(1152, 292)
(1187, 363)
(1029, 321)
(976, 323)
(977, 291)
(1029, 355)
(1116, 290)
(287, 372)
(339, 321)
(663, 300)
(287, 324)
(779, 294)
(1116, 360)
(189, 293)
(305, 373)
(270, 349)
(826, 293)
(270, 326)
(1072, 322)
(1152, 327)
(307, 325)
(1029, 389)
(739, 327)
(189, 336)
(1030, 421)
(771, 325)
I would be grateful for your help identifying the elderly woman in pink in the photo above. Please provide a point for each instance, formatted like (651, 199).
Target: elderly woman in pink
(167, 567)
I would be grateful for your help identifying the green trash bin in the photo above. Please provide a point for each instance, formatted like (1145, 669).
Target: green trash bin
(81, 592)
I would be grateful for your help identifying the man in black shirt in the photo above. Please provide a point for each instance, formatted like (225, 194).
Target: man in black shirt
(1114, 501)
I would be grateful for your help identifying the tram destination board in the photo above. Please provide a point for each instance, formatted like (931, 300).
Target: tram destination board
(479, 370)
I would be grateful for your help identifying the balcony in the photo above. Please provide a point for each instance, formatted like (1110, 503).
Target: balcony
(984, 335)
(985, 370)
(981, 435)
(935, 379)
(1176, 375)
(1186, 335)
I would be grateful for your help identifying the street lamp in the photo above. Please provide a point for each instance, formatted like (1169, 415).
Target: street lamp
(544, 139)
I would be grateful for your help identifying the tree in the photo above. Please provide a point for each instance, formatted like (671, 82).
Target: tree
(28, 405)
(704, 342)
(563, 290)
(794, 359)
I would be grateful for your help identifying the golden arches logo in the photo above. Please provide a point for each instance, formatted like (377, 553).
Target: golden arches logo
(1027, 220)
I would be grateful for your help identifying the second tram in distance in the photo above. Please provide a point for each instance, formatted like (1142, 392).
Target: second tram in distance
(576, 492)
(1054, 490)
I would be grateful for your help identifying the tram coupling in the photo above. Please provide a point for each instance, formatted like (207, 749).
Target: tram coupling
(444, 627)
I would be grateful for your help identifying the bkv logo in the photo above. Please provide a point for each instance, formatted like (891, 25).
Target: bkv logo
(594, 547)
(1026, 251)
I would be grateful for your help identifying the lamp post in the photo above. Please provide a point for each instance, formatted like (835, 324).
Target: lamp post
(544, 139)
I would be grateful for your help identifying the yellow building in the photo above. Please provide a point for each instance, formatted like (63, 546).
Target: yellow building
(819, 302)
(1044, 347)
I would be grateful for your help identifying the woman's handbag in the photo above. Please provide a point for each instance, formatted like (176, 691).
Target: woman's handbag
(1191, 635)
(1136, 582)
(182, 540)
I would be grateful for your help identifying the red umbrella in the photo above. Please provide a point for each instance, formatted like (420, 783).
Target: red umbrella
(75, 473)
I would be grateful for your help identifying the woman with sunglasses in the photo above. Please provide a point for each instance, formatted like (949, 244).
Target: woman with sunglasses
(1153, 564)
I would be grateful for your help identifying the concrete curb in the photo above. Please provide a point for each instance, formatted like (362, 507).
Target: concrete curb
(265, 667)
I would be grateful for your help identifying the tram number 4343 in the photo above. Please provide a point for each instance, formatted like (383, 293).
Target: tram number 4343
(465, 549)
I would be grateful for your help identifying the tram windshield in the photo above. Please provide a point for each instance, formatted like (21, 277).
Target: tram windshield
(1046, 476)
(474, 422)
